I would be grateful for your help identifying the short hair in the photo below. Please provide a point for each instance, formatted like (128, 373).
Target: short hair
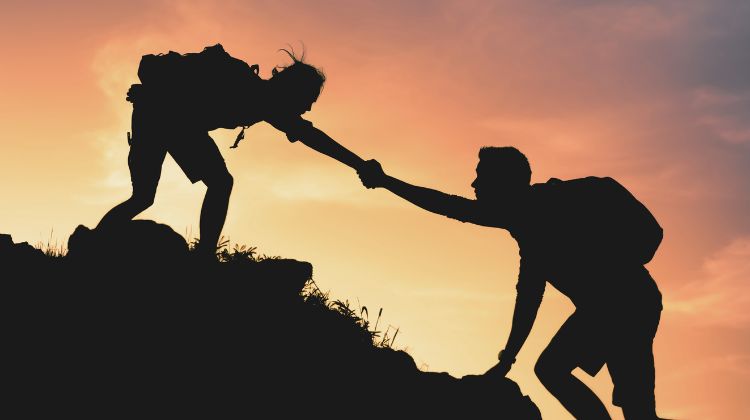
(299, 76)
(512, 164)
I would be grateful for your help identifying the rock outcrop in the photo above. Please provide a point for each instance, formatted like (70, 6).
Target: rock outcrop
(128, 325)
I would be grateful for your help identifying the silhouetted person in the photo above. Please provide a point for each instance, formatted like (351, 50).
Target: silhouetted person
(183, 97)
(587, 237)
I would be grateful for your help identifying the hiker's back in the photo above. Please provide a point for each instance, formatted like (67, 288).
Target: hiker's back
(592, 238)
(597, 220)
(595, 237)
(210, 89)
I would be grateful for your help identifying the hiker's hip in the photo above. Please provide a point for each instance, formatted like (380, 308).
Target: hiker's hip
(612, 289)
(171, 116)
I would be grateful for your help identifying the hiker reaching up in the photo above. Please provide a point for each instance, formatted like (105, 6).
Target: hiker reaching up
(183, 97)
(590, 239)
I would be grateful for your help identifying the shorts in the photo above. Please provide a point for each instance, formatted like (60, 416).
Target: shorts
(622, 340)
(156, 134)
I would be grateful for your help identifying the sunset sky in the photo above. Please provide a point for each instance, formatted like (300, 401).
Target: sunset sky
(655, 94)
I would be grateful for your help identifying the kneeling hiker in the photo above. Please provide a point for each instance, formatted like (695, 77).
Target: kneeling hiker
(183, 97)
(590, 239)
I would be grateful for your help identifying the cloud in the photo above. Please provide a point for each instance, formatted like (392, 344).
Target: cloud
(721, 297)
(306, 182)
(725, 113)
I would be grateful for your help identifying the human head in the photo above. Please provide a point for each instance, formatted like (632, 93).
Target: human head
(502, 173)
(297, 86)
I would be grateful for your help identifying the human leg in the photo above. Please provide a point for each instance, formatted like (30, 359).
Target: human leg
(632, 368)
(214, 210)
(566, 351)
(145, 160)
(127, 210)
(201, 160)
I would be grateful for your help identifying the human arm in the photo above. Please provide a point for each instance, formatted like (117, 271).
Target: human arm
(453, 206)
(530, 290)
(319, 141)
(298, 129)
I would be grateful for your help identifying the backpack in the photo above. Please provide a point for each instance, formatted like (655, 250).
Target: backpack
(209, 88)
(600, 220)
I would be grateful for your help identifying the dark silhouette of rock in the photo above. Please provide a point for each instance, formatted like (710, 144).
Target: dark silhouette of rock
(11, 252)
(143, 336)
(142, 241)
(6, 242)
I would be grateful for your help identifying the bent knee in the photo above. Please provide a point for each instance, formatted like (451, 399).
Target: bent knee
(223, 181)
(550, 371)
(142, 201)
(541, 370)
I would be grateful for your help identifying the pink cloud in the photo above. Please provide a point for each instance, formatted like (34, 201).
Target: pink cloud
(725, 113)
(721, 297)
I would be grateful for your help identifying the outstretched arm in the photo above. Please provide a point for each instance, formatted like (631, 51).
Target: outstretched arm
(453, 206)
(431, 200)
(321, 142)
(303, 130)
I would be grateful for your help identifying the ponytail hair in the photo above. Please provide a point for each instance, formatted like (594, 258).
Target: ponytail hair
(298, 76)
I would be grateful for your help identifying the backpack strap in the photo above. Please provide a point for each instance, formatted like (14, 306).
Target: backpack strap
(239, 138)
(256, 70)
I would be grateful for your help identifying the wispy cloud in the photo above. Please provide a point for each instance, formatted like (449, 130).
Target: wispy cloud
(720, 297)
(726, 113)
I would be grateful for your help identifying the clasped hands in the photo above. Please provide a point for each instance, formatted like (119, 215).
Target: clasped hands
(371, 174)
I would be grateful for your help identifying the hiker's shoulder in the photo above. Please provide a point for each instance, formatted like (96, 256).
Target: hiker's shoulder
(541, 193)
(556, 188)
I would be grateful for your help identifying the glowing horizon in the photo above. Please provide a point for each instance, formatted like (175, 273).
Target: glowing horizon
(654, 94)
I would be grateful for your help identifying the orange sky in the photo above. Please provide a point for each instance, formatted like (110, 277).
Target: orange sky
(656, 94)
